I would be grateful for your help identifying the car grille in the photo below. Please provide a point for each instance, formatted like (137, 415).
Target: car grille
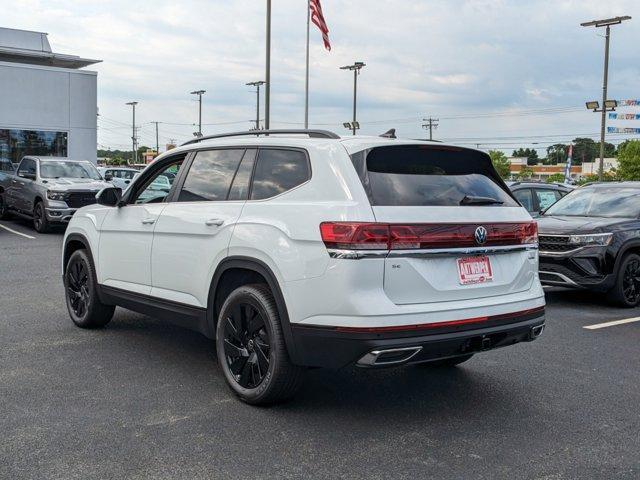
(554, 243)
(80, 199)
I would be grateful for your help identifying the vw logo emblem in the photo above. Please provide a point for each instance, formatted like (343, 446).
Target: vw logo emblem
(481, 235)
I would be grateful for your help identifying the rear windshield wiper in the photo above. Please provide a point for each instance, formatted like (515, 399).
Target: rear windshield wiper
(473, 200)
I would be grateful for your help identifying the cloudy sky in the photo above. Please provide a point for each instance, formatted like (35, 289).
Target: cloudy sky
(499, 73)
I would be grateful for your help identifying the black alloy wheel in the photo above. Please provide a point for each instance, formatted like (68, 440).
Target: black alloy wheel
(40, 222)
(251, 348)
(78, 287)
(246, 345)
(631, 282)
(81, 294)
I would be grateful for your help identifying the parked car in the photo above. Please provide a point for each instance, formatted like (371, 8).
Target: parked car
(538, 196)
(120, 177)
(590, 239)
(304, 249)
(49, 190)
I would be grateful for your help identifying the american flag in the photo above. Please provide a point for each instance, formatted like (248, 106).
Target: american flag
(318, 19)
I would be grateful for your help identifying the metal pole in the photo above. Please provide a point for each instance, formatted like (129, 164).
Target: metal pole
(200, 113)
(306, 82)
(355, 95)
(133, 137)
(604, 109)
(267, 93)
(157, 142)
(258, 106)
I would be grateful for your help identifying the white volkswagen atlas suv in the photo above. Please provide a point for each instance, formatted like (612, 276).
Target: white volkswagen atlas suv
(299, 248)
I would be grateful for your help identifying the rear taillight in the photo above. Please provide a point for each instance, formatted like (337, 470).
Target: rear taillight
(385, 236)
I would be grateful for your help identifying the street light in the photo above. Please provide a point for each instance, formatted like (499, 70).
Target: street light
(356, 67)
(257, 85)
(199, 93)
(134, 151)
(607, 22)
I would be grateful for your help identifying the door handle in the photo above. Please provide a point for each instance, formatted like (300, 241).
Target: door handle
(214, 221)
(148, 221)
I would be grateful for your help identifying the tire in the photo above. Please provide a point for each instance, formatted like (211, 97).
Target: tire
(81, 293)
(251, 349)
(4, 213)
(447, 362)
(40, 221)
(626, 291)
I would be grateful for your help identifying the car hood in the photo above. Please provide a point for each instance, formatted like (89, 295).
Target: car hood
(80, 184)
(560, 224)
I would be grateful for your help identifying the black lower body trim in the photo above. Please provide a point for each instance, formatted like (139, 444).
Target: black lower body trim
(324, 347)
(187, 316)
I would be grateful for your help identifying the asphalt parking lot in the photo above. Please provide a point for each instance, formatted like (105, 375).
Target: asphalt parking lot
(142, 399)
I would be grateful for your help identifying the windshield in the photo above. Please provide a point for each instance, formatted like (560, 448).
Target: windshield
(62, 169)
(599, 202)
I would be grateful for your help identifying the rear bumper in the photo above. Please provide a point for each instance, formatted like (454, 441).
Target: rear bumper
(340, 347)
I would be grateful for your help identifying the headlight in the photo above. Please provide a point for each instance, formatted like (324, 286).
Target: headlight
(56, 195)
(601, 239)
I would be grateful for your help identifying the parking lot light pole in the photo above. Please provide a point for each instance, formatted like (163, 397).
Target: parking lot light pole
(134, 153)
(199, 93)
(257, 85)
(356, 67)
(267, 77)
(607, 22)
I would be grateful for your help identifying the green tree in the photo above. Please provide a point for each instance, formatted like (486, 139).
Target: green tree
(530, 153)
(629, 160)
(525, 174)
(556, 154)
(584, 150)
(500, 162)
(556, 178)
(609, 150)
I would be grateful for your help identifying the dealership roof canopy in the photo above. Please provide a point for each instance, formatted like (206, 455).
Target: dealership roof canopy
(22, 46)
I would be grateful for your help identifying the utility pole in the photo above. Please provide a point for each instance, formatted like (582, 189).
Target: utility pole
(356, 67)
(157, 143)
(607, 22)
(267, 77)
(257, 85)
(134, 151)
(199, 93)
(432, 124)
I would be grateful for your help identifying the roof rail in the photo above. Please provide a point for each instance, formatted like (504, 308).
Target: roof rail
(257, 133)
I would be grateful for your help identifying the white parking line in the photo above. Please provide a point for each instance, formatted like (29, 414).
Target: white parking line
(17, 233)
(612, 324)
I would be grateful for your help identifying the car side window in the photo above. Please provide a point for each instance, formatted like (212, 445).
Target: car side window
(157, 188)
(525, 198)
(547, 197)
(277, 171)
(27, 166)
(210, 175)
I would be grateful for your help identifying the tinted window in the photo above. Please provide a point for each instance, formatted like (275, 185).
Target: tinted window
(424, 175)
(15, 144)
(599, 202)
(210, 175)
(525, 198)
(157, 188)
(27, 166)
(240, 186)
(546, 197)
(278, 171)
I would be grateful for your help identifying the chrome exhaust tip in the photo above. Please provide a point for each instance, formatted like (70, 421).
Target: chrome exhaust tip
(387, 357)
(536, 332)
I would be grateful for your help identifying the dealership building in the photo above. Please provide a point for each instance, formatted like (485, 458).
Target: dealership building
(48, 104)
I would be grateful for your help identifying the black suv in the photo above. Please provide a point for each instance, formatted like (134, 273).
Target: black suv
(591, 239)
(538, 196)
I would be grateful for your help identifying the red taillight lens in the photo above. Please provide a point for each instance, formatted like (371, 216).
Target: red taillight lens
(369, 236)
(381, 236)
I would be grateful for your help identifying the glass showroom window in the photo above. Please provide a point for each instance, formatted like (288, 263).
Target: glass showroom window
(15, 144)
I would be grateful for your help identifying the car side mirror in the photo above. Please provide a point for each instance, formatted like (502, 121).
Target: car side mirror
(108, 177)
(27, 175)
(109, 197)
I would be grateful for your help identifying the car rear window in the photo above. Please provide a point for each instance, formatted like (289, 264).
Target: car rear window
(425, 175)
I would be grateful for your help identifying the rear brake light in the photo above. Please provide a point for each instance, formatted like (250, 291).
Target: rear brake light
(384, 236)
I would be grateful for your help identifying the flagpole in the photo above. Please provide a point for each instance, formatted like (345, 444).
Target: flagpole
(306, 82)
